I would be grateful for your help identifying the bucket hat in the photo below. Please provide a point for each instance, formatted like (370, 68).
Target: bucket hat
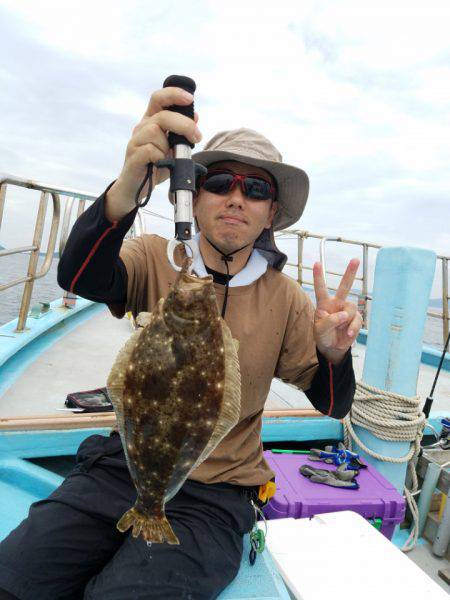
(250, 147)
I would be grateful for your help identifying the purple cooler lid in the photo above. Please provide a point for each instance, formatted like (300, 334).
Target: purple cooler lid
(298, 497)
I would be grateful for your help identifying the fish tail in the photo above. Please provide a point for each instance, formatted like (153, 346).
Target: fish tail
(153, 529)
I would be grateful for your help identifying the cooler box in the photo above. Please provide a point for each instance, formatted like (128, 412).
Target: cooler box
(298, 497)
(339, 556)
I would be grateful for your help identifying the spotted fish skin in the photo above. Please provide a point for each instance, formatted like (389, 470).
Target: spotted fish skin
(175, 387)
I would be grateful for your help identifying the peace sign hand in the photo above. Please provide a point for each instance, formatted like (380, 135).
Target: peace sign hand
(336, 320)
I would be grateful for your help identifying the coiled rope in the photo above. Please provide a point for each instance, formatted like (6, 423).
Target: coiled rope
(394, 418)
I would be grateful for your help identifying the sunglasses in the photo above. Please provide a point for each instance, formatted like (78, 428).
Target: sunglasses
(253, 187)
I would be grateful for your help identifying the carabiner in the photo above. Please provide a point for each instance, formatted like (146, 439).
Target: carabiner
(173, 243)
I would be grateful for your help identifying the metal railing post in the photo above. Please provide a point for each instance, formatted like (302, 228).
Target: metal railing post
(32, 264)
(445, 298)
(300, 258)
(323, 259)
(81, 205)
(364, 290)
(3, 187)
(65, 225)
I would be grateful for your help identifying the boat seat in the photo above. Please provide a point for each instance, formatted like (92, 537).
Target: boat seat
(22, 483)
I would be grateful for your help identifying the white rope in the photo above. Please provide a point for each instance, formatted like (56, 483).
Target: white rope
(394, 418)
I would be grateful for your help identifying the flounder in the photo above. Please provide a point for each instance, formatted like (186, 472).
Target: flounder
(175, 387)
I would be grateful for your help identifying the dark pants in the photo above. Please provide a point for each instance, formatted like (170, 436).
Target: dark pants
(69, 546)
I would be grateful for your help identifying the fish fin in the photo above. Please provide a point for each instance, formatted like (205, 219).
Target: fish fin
(116, 379)
(158, 310)
(152, 529)
(143, 319)
(231, 403)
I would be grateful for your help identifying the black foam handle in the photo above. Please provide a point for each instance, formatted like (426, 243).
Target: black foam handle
(187, 84)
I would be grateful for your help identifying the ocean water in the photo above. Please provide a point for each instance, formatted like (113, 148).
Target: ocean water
(47, 289)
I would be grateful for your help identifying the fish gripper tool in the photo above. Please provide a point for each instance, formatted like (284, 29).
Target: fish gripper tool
(184, 172)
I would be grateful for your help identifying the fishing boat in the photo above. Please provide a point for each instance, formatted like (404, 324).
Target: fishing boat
(57, 346)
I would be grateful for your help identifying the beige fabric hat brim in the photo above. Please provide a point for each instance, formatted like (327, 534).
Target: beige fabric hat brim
(292, 182)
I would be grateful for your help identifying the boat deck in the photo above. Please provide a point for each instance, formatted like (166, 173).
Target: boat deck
(83, 359)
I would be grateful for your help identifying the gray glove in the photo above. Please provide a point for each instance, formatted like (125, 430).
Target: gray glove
(339, 478)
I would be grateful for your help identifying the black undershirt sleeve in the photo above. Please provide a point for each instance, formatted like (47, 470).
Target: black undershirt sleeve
(333, 386)
(90, 265)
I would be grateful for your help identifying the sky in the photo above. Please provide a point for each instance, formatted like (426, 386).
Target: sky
(356, 93)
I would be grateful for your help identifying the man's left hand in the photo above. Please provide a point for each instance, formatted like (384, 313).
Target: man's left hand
(336, 320)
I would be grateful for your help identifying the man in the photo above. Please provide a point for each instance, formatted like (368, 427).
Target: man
(69, 546)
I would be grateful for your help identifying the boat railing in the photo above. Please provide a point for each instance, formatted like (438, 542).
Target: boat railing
(363, 295)
(75, 197)
(46, 191)
(71, 198)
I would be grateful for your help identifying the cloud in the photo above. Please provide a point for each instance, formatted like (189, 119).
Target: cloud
(354, 93)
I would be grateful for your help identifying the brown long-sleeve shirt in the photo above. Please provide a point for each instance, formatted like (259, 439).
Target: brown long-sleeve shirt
(272, 318)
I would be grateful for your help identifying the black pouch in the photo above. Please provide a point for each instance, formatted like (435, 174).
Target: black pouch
(96, 400)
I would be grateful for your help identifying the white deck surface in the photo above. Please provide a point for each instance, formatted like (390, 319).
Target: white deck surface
(82, 360)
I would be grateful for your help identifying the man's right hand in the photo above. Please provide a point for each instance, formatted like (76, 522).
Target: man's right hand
(149, 143)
